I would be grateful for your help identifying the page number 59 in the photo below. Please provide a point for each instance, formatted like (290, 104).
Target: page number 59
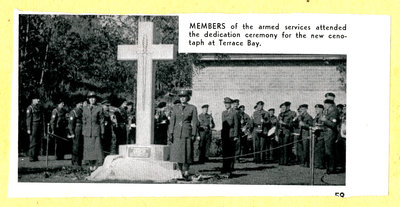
(339, 194)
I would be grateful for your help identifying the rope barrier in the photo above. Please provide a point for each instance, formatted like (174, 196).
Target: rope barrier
(259, 151)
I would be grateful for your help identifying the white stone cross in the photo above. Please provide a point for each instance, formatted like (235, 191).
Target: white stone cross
(145, 52)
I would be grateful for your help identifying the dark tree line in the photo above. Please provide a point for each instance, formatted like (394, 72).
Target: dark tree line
(65, 56)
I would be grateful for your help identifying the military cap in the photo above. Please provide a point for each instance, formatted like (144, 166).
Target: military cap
(106, 102)
(129, 103)
(235, 101)
(341, 106)
(183, 93)
(241, 106)
(161, 105)
(329, 101)
(283, 104)
(177, 101)
(227, 100)
(260, 102)
(271, 109)
(330, 94)
(205, 106)
(92, 94)
(304, 106)
(287, 103)
(319, 106)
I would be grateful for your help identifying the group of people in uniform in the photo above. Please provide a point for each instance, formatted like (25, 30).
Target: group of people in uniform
(266, 138)
(98, 129)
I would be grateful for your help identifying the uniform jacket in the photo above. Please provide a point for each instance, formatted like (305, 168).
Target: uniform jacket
(287, 117)
(58, 119)
(206, 122)
(93, 121)
(332, 118)
(183, 122)
(33, 115)
(75, 117)
(308, 122)
(230, 124)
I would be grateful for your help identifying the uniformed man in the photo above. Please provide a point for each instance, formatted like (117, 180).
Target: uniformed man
(330, 120)
(161, 124)
(229, 136)
(75, 130)
(34, 123)
(131, 123)
(319, 143)
(58, 125)
(341, 141)
(245, 122)
(238, 146)
(108, 128)
(260, 122)
(272, 135)
(206, 123)
(285, 124)
(93, 132)
(122, 131)
(305, 122)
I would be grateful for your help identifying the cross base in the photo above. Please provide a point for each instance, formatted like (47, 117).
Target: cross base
(152, 152)
(138, 163)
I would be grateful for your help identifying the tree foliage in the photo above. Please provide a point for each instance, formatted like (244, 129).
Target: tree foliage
(65, 56)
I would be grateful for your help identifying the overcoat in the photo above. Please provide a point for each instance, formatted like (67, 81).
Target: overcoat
(183, 126)
(93, 127)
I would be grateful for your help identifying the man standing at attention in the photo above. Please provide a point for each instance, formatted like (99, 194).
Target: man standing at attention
(330, 120)
(229, 136)
(206, 123)
(75, 129)
(34, 123)
(260, 122)
(58, 124)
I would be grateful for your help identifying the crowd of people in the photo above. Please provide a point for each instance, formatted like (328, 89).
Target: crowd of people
(97, 129)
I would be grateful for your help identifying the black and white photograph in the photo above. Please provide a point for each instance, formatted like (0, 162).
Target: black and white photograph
(111, 99)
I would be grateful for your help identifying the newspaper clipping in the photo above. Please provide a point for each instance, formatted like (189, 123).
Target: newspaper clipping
(200, 105)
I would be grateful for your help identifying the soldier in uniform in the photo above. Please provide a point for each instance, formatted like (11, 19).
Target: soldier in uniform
(319, 143)
(238, 146)
(75, 130)
(131, 123)
(271, 135)
(122, 130)
(35, 124)
(305, 122)
(259, 126)
(182, 132)
(108, 128)
(93, 132)
(161, 125)
(341, 141)
(206, 123)
(330, 120)
(58, 124)
(229, 136)
(285, 124)
(244, 133)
